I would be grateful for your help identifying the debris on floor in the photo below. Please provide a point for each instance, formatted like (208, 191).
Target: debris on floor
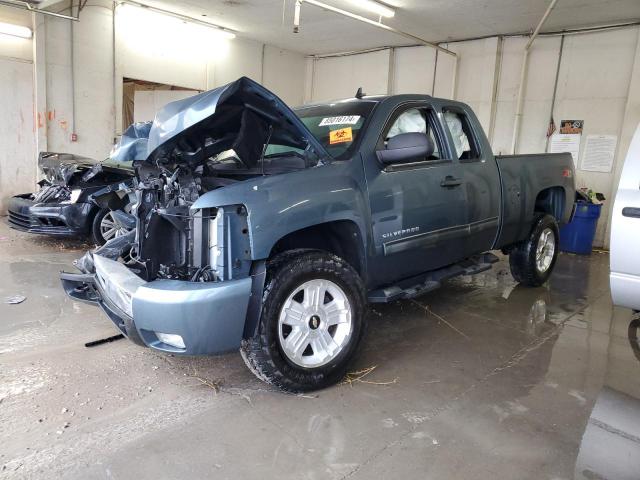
(357, 376)
(212, 384)
(428, 311)
(15, 299)
(95, 343)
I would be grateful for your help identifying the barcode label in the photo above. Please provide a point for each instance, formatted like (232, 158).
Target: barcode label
(343, 120)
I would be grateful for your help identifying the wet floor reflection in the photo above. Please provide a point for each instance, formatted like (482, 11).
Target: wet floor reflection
(610, 445)
(634, 342)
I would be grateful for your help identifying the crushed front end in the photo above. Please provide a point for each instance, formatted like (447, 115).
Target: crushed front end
(181, 281)
(53, 210)
(62, 206)
(185, 281)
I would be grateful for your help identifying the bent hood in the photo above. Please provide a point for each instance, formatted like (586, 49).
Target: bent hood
(242, 116)
(58, 168)
(132, 145)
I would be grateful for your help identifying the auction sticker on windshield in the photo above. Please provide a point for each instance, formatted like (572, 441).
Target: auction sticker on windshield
(342, 120)
(340, 136)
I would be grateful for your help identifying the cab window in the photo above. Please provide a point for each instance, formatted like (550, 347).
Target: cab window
(416, 120)
(464, 142)
(338, 126)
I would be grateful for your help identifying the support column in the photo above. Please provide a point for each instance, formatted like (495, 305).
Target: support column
(39, 83)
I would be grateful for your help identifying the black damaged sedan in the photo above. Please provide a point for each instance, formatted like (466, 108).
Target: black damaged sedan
(63, 205)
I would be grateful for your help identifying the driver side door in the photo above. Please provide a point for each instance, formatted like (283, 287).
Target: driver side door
(417, 209)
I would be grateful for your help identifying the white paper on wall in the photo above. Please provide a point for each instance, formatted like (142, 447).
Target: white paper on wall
(566, 142)
(599, 151)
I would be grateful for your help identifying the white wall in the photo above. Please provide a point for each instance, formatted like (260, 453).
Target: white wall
(284, 74)
(15, 48)
(543, 60)
(17, 130)
(594, 85)
(188, 57)
(414, 70)
(18, 124)
(147, 102)
(475, 75)
(93, 71)
(598, 82)
(340, 77)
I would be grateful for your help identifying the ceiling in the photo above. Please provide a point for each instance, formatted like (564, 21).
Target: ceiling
(434, 20)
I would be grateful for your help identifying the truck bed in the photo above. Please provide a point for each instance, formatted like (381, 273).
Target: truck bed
(521, 177)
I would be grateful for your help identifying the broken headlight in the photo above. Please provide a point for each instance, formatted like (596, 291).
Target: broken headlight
(74, 196)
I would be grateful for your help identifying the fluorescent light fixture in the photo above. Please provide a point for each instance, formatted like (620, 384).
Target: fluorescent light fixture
(15, 30)
(154, 33)
(220, 31)
(375, 7)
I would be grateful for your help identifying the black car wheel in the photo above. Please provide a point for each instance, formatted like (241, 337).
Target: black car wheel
(532, 261)
(105, 227)
(312, 322)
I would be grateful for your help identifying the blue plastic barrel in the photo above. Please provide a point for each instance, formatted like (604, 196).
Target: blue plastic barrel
(577, 236)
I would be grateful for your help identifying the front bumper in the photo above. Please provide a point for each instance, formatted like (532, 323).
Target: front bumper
(209, 316)
(49, 219)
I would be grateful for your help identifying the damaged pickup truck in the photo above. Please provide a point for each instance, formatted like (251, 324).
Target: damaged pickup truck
(269, 230)
(63, 205)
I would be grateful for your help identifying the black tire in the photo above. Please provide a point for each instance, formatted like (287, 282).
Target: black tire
(523, 258)
(96, 234)
(265, 356)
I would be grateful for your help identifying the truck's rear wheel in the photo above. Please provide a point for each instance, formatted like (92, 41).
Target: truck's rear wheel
(532, 261)
(312, 321)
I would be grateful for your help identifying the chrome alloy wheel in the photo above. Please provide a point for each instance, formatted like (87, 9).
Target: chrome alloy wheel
(545, 250)
(109, 228)
(315, 323)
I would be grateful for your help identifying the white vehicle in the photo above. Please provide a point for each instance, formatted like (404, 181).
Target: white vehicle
(625, 232)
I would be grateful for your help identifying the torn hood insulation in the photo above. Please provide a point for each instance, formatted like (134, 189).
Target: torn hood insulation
(242, 116)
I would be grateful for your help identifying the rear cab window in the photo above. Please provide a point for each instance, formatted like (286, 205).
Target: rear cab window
(465, 143)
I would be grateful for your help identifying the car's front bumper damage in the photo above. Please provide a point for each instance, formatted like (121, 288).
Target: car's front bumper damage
(182, 317)
(49, 218)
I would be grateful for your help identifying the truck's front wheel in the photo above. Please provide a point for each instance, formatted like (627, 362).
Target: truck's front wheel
(533, 260)
(312, 321)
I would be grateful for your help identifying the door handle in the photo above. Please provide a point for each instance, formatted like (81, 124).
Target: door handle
(631, 212)
(449, 182)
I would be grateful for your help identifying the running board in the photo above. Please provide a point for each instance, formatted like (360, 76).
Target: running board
(415, 286)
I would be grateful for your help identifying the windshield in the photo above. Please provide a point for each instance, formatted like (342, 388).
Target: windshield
(337, 126)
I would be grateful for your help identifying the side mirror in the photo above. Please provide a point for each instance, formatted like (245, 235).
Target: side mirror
(405, 148)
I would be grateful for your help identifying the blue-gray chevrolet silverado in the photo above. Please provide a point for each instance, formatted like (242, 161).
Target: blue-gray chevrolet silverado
(268, 229)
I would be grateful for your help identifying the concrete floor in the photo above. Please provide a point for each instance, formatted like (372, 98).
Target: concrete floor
(487, 380)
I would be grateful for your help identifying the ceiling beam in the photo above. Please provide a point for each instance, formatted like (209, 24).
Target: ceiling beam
(22, 5)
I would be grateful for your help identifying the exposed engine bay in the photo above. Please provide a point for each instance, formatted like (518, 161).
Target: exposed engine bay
(246, 136)
(169, 241)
